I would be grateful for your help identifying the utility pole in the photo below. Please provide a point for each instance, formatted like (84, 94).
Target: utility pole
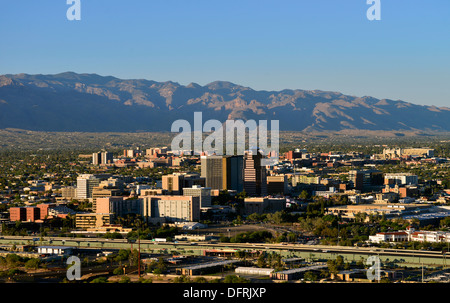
(139, 252)
(422, 272)
(139, 257)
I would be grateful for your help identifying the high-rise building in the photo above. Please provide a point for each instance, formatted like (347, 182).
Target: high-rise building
(132, 153)
(365, 179)
(292, 155)
(100, 158)
(26, 213)
(170, 208)
(401, 179)
(175, 182)
(223, 172)
(233, 173)
(204, 193)
(212, 171)
(156, 152)
(17, 214)
(43, 209)
(69, 192)
(277, 185)
(119, 206)
(356, 177)
(255, 175)
(85, 185)
(101, 192)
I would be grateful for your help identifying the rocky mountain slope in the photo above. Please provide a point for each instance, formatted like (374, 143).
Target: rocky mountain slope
(89, 102)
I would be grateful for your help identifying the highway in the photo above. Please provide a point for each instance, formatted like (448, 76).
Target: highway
(198, 247)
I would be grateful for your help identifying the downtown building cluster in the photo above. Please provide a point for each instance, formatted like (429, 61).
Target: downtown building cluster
(187, 195)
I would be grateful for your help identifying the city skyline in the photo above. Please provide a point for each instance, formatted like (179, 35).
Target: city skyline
(264, 45)
(125, 156)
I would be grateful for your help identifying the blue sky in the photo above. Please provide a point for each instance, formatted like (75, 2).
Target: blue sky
(263, 44)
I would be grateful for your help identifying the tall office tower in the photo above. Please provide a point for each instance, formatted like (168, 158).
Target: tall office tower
(255, 180)
(85, 185)
(97, 158)
(233, 173)
(223, 172)
(212, 171)
(102, 158)
(357, 178)
(107, 158)
(365, 179)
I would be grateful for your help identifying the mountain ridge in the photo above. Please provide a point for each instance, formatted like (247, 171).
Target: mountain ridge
(70, 101)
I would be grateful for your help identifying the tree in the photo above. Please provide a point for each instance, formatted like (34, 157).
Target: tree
(118, 271)
(261, 261)
(277, 217)
(242, 195)
(445, 222)
(240, 254)
(12, 260)
(335, 265)
(304, 195)
(310, 276)
(125, 279)
(255, 217)
(332, 267)
(100, 280)
(182, 279)
(161, 266)
(291, 237)
(33, 263)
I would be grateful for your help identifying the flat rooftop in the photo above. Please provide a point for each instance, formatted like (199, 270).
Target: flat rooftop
(211, 264)
(302, 269)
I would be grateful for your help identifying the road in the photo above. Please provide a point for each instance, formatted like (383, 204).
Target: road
(321, 251)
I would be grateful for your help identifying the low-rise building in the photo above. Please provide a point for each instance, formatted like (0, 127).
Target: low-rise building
(295, 273)
(261, 205)
(254, 271)
(398, 236)
(55, 250)
(92, 220)
(411, 235)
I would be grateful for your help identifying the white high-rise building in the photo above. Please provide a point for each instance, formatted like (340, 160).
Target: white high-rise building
(85, 185)
(204, 193)
(102, 158)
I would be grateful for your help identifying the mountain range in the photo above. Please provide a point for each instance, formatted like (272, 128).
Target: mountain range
(93, 103)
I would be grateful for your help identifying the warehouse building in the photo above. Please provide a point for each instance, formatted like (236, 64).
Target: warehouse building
(254, 271)
(205, 268)
(295, 273)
